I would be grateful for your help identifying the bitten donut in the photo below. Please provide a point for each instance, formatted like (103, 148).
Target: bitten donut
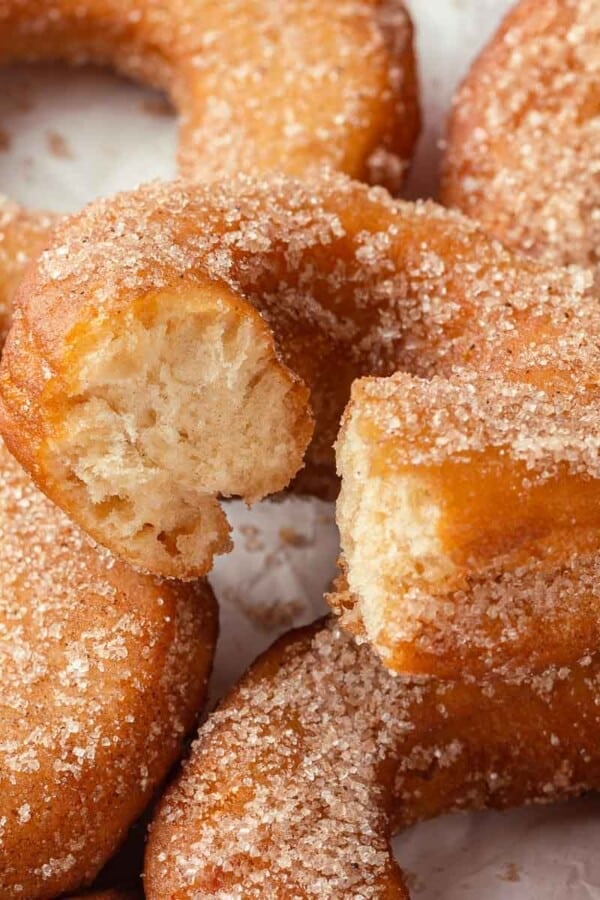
(523, 142)
(258, 84)
(104, 673)
(297, 782)
(469, 511)
(173, 343)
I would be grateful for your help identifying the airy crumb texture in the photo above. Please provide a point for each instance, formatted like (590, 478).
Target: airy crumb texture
(103, 674)
(523, 145)
(297, 781)
(177, 401)
(134, 424)
(260, 85)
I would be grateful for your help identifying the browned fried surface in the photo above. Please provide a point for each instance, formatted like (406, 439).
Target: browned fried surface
(349, 281)
(297, 781)
(22, 236)
(523, 140)
(259, 84)
(469, 520)
(103, 674)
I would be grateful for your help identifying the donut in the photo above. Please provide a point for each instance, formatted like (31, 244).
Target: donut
(523, 137)
(104, 673)
(259, 84)
(244, 77)
(164, 354)
(319, 755)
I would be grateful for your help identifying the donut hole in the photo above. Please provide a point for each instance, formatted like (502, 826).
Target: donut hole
(69, 135)
(178, 400)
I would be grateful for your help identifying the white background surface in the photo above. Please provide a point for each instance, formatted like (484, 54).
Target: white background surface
(65, 138)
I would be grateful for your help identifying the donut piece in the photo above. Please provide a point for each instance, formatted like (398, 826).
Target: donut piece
(141, 381)
(297, 782)
(522, 150)
(469, 522)
(104, 672)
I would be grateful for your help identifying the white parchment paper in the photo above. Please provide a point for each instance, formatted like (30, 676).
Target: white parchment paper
(66, 137)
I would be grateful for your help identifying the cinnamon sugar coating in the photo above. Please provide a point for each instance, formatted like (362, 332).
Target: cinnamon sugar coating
(296, 783)
(349, 283)
(104, 672)
(469, 525)
(258, 85)
(522, 154)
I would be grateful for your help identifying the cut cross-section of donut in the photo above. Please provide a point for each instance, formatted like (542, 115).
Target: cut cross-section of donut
(160, 409)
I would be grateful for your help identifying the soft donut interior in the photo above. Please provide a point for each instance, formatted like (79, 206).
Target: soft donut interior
(461, 545)
(175, 401)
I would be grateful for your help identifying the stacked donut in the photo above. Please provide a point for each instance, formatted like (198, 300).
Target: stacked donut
(184, 343)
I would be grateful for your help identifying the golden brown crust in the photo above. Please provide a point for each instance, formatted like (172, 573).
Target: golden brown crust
(270, 59)
(298, 780)
(522, 150)
(22, 236)
(104, 672)
(259, 84)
